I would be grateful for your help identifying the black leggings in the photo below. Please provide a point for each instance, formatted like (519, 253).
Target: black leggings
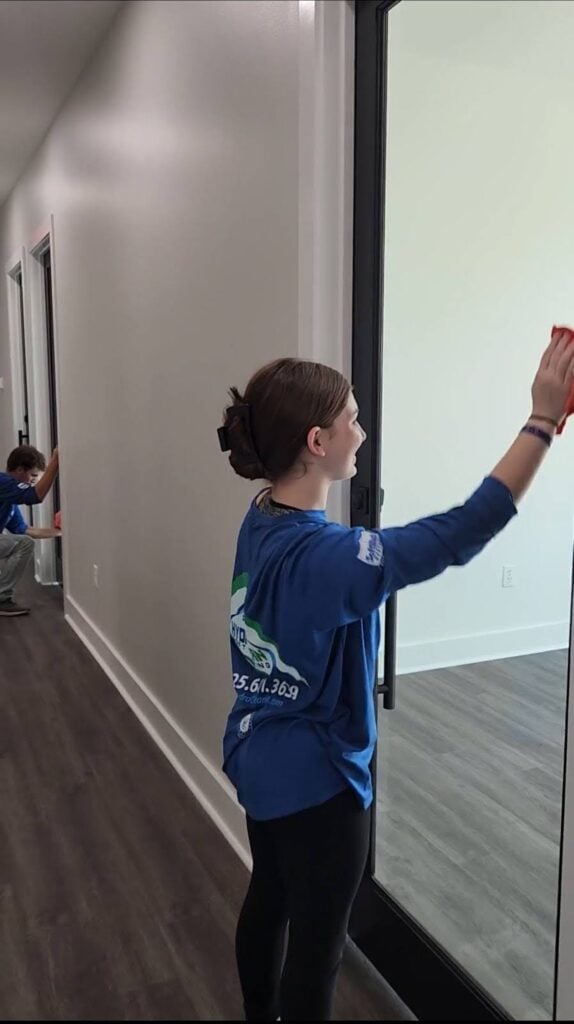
(306, 871)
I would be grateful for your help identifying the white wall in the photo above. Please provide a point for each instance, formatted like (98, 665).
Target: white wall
(479, 264)
(185, 180)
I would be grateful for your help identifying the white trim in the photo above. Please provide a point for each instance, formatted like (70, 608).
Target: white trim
(41, 239)
(326, 98)
(35, 342)
(59, 403)
(467, 650)
(45, 557)
(307, 175)
(14, 264)
(564, 995)
(208, 785)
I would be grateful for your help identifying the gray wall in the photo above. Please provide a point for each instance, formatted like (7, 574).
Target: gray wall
(179, 175)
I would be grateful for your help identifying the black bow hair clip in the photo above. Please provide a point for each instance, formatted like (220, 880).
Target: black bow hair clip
(241, 412)
(223, 435)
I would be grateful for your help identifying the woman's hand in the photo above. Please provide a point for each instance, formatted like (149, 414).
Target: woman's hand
(553, 381)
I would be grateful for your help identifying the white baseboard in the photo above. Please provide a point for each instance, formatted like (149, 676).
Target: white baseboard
(208, 785)
(465, 650)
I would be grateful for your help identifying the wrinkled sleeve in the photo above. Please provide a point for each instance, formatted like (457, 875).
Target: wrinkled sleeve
(347, 573)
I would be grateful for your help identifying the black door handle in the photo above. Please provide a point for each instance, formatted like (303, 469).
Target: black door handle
(387, 684)
(23, 438)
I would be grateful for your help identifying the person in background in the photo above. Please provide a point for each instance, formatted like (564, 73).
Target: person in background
(27, 481)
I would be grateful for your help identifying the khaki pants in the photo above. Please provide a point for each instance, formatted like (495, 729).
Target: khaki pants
(16, 550)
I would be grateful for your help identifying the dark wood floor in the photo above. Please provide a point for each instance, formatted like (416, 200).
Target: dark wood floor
(118, 895)
(469, 817)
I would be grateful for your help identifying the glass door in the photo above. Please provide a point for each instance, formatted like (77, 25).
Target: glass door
(463, 221)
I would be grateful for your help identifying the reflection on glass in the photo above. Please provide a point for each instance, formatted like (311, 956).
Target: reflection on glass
(479, 221)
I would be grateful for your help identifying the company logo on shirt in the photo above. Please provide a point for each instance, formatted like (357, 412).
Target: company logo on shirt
(23, 487)
(245, 724)
(370, 548)
(258, 649)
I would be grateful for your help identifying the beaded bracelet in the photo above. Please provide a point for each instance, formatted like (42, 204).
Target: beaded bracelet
(537, 432)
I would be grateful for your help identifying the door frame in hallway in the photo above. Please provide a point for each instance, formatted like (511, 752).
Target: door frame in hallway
(23, 412)
(46, 381)
(29, 336)
(19, 382)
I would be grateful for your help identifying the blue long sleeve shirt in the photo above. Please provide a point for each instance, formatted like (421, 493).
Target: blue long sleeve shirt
(305, 634)
(13, 494)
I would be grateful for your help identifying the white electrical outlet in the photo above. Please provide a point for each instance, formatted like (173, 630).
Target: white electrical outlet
(507, 575)
(96, 576)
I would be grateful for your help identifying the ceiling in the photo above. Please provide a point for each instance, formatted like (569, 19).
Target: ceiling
(44, 45)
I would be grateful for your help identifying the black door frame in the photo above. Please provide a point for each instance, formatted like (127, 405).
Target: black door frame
(23, 435)
(45, 260)
(416, 967)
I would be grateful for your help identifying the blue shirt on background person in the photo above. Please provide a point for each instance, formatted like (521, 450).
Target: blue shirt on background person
(27, 481)
(13, 494)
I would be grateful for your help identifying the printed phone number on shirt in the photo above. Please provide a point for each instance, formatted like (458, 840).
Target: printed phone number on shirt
(265, 687)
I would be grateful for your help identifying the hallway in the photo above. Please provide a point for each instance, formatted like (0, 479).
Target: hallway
(119, 895)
